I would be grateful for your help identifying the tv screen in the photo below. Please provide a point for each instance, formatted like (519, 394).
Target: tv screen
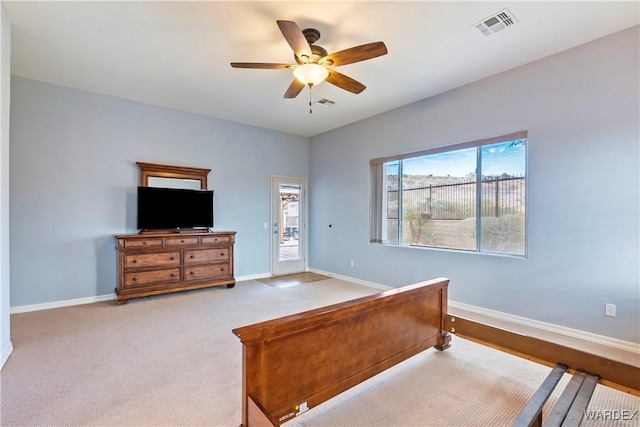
(163, 208)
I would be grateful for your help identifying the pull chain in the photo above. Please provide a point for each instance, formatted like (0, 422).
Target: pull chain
(310, 87)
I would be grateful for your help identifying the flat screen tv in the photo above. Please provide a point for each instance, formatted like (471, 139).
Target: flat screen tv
(173, 208)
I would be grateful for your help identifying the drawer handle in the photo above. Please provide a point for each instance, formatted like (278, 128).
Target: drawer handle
(135, 261)
(172, 258)
(144, 243)
(135, 279)
(181, 241)
(222, 269)
(215, 240)
(192, 256)
(192, 273)
(173, 275)
(221, 253)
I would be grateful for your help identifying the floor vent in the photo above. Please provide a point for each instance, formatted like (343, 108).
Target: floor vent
(497, 22)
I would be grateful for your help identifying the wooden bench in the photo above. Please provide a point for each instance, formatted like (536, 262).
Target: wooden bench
(294, 363)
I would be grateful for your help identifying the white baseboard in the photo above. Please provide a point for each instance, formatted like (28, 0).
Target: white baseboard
(352, 279)
(4, 355)
(252, 277)
(58, 304)
(524, 321)
(549, 327)
(99, 298)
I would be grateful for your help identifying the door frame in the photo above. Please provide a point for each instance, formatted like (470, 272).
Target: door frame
(303, 218)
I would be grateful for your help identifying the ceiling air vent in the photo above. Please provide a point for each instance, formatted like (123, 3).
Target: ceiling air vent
(326, 103)
(497, 22)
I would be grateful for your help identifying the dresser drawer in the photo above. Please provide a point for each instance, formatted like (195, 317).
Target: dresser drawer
(138, 243)
(206, 272)
(145, 260)
(145, 278)
(199, 256)
(181, 241)
(207, 240)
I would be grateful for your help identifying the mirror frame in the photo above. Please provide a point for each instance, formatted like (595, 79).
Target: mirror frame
(168, 171)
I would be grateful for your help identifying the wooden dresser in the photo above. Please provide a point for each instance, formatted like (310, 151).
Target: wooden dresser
(159, 263)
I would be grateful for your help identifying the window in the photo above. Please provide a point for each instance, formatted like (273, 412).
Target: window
(469, 196)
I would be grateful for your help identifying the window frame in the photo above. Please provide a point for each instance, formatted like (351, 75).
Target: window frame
(377, 223)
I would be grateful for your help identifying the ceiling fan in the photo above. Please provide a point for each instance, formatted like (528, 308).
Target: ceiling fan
(313, 64)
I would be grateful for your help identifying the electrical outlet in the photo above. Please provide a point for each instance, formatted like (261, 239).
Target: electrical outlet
(352, 263)
(610, 310)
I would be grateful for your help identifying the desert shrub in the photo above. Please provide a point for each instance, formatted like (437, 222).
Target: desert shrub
(503, 233)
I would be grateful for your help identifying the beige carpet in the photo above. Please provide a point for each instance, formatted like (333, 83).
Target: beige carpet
(172, 360)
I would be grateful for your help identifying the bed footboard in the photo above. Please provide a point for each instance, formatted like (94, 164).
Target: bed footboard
(294, 363)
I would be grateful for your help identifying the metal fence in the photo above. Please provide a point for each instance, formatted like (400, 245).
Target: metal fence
(457, 200)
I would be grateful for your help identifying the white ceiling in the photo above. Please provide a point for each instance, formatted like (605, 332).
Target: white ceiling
(177, 54)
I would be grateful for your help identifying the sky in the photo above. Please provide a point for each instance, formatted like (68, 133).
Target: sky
(496, 160)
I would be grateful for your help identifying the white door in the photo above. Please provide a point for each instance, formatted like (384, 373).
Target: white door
(288, 218)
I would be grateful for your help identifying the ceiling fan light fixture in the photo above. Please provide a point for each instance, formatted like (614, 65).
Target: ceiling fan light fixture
(310, 74)
(312, 63)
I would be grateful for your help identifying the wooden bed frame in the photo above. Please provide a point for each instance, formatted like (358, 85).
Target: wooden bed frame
(294, 363)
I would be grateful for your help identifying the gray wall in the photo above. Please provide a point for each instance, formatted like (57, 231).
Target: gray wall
(74, 179)
(581, 109)
(5, 89)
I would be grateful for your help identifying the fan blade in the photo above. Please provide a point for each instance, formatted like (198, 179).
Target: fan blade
(294, 89)
(262, 65)
(298, 42)
(344, 82)
(355, 54)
